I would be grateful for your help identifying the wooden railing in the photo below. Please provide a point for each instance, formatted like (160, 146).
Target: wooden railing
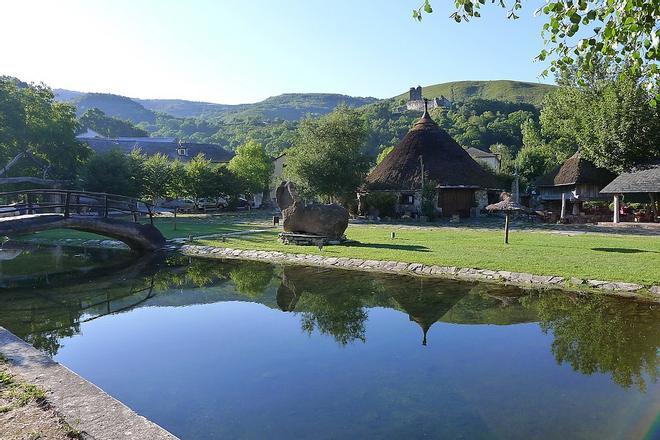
(71, 203)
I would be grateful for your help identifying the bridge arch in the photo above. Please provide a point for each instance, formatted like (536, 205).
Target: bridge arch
(29, 211)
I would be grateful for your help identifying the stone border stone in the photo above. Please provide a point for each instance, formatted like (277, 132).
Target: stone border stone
(81, 404)
(469, 274)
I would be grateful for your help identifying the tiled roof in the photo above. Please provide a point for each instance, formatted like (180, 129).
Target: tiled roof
(643, 180)
(167, 146)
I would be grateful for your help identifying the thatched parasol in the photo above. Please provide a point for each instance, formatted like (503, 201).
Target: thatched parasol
(507, 205)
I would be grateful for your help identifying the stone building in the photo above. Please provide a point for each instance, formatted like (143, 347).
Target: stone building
(416, 100)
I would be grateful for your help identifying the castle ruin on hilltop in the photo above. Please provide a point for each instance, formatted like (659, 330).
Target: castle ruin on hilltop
(416, 102)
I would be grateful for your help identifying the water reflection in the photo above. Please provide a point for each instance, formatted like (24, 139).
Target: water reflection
(591, 334)
(601, 335)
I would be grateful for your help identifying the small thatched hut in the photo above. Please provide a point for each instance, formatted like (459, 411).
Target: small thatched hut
(575, 181)
(462, 184)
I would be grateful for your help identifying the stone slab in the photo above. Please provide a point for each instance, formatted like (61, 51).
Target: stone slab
(82, 404)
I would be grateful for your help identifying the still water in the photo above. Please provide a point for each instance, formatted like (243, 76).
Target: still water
(211, 349)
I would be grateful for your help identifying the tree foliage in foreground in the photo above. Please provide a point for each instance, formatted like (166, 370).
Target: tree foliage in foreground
(610, 120)
(625, 32)
(31, 120)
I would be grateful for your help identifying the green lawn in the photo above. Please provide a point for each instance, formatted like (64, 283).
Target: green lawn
(592, 256)
(185, 226)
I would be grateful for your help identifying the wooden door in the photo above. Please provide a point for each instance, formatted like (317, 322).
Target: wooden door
(456, 201)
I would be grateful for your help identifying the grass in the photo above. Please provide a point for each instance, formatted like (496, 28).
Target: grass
(611, 257)
(603, 256)
(19, 394)
(514, 91)
(185, 226)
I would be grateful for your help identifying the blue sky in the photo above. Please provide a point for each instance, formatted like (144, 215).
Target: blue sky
(235, 51)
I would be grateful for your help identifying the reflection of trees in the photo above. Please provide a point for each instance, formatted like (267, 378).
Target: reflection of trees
(251, 278)
(44, 315)
(328, 301)
(603, 335)
(178, 271)
(340, 316)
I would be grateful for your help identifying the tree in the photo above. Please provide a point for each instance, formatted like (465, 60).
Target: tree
(536, 157)
(200, 178)
(252, 167)
(609, 119)
(624, 32)
(31, 120)
(112, 172)
(177, 186)
(101, 123)
(328, 158)
(157, 177)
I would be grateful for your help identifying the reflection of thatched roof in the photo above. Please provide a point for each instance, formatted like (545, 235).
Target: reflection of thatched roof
(426, 307)
(444, 161)
(576, 170)
(645, 180)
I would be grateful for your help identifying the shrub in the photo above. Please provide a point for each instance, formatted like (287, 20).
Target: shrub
(381, 204)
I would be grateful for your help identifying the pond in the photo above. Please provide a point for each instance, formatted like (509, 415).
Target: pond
(228, 349)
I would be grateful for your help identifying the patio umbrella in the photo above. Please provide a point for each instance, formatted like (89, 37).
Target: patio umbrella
(507, 205)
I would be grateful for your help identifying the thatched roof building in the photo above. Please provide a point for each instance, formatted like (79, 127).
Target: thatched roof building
(444, 160)
(575, 181)
(574, 171)
(427, 146)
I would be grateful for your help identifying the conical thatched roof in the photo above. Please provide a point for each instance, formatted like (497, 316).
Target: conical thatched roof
(444, 161)
(576, 170)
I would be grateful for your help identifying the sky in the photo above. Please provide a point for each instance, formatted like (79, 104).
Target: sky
(239, 51)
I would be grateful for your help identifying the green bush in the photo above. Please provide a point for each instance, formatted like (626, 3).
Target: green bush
(429, 193)
(382, 204)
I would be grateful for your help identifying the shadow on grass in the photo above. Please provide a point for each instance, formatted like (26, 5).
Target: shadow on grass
(622, 250)
(396, 247)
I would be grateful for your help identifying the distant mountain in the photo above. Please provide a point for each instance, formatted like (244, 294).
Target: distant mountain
(181, 108)
(294, 106)
(503, 90)
(289, 106)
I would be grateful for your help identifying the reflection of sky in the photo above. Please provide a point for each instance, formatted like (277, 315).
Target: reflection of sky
(236, 369)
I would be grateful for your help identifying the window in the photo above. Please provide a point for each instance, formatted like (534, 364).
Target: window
(407, 199)
(182, 151)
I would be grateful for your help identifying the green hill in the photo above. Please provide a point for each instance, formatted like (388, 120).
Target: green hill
(294, 106)
(182, 108)
(288, 106)
(503, 90)
(115, 106)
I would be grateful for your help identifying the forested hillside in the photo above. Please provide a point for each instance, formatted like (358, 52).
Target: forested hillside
(483, 114)
(502, 90)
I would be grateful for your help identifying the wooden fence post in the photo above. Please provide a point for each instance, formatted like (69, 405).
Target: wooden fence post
(66, 205)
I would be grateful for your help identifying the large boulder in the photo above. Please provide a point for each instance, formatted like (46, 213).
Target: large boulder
(315, 219)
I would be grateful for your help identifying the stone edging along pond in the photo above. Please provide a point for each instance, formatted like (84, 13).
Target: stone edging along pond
(396, 267)
(82, 405)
